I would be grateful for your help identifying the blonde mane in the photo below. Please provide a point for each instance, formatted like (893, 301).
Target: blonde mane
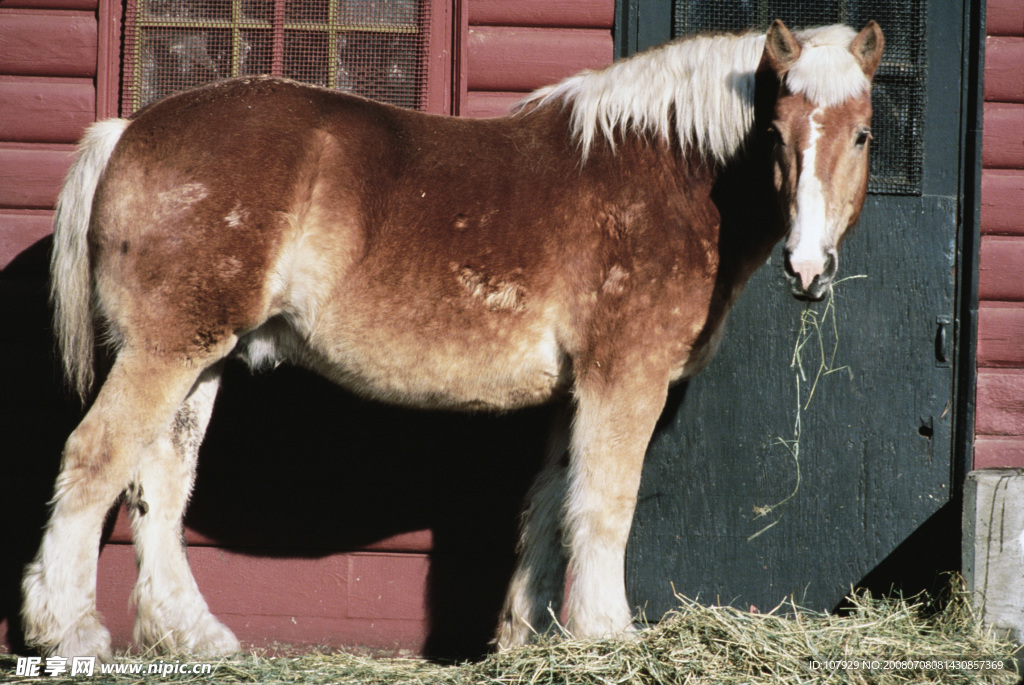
(703, 84)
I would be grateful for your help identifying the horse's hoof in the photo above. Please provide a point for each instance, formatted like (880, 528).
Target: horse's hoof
(216, 639)
(603, 628)
(207, 637)
(511, 633)
(87, 638)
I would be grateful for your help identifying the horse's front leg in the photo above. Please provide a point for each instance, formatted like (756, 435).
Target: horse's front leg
(617, 409)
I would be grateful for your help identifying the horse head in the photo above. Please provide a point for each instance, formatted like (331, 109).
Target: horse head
(821, 132)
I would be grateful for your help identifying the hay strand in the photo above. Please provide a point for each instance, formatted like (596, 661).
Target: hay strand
(812, 332)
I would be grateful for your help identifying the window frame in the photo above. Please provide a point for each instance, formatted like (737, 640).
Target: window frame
(113, 69)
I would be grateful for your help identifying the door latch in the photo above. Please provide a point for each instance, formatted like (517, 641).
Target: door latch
(943, 340)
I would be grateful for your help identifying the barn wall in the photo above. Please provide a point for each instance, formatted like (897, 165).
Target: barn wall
(999, 423)
(379, 586)
(512, 48)
(47, 98)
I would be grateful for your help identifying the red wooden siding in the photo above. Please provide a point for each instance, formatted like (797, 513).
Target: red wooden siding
(1002, 202)
(542, 56)
(1001, 260)
(30, 177)
(372, 600)
(1003, 393)
(999, 424)
(512, 48)
(23, 228)
(47, 98)
(1002, 145)
(1004, 69)
(1004, 18)
(51, 4)
(45, 110)
(48, 42)
(593, 14)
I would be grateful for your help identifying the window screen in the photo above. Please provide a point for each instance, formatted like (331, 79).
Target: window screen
(375, 48)
(898, 93)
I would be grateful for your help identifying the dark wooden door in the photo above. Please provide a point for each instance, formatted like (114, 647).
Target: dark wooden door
(773, 474)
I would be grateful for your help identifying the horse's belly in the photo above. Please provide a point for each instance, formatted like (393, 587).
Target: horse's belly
(445, 369)
(426, 334)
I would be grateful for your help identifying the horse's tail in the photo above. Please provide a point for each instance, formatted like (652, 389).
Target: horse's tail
(70, 277)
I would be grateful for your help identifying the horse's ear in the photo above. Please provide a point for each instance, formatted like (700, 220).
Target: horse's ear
(867, 47)
(781, 47)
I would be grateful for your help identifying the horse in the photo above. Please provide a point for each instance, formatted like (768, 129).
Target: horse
(585, 249)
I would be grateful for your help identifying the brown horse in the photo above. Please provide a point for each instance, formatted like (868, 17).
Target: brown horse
(587, 247)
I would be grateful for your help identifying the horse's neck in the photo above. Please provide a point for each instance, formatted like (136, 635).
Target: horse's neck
(751, 218)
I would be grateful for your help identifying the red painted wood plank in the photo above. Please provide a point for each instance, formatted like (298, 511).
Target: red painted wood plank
(1001, 274)
(116, 576)
(481, 104)
(45, 110)
(331, 600)
(999, 452)
(47, 43)
(317, 601)
(522, 59)
(31, 175)
(51, 4)
(1003, 136)
(1004, 17)
(392, 586)
(1004, 69)
(20, 229)
(1000, 402)
(1001, 335)
(1002, 201)
(550, 13)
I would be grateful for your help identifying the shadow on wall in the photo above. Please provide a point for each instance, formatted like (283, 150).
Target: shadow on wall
(293, 466)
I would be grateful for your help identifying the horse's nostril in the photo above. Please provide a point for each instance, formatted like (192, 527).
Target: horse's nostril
(831, 265)
(787, 264)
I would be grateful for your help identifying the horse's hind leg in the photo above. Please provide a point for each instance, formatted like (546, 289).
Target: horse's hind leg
(535, 593)
(171, 612)
(135, 404)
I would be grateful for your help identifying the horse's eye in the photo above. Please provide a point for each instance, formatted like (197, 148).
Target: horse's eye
(863, 136)
(775, 136)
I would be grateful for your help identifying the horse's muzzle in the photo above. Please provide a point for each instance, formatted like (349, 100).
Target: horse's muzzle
(809, 280)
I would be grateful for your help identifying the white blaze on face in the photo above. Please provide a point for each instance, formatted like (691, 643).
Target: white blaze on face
(807, 241)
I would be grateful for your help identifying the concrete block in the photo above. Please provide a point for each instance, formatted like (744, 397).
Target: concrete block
(993, 547)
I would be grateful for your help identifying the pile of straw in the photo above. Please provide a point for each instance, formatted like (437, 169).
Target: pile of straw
(877, 641)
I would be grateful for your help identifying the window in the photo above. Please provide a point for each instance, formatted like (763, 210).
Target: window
(382, 49)
(898, 93)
